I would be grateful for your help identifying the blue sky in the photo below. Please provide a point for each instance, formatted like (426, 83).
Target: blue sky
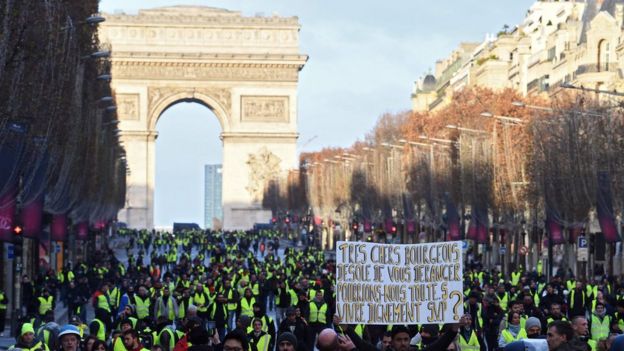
(364, 57)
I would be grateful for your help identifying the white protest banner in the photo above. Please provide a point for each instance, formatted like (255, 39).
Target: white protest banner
(399, 284)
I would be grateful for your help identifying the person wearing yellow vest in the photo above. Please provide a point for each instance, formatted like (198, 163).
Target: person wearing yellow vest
(319, 313)
(102, 303)
(577, 301)
(218, 315)
(245, 305)
(259, 340)
(468, 338)
(167, 306)
(232, 302)
(513, 332)
(581, 334)
(45, 304)
(515, 276)
(475, 309)
(502, 296)
(97, 327)
(555, 313)
(268, 325)
(26, 340)
(168, 337)
(600, 323)
(142, 303)
(4, 301)
(131, 341)
(201, 300)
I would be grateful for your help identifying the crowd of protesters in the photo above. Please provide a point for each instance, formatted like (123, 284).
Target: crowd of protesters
(241, 291)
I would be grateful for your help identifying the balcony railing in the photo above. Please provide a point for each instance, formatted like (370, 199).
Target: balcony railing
(595, 67)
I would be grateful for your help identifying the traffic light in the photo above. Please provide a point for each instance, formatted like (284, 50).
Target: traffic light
(273, 220)
(354, 226)
(18, 240)
(393, 229)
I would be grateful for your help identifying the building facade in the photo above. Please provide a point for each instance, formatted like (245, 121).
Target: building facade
(558, 43)
(213, 185)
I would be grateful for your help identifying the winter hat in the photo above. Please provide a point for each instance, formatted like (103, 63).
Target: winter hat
(69, 329)
(287, 336)
(532, 322)
(27, 328)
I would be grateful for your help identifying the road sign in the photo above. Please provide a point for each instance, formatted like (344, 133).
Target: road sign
(523, 250)
(464, 245)
(582, 254)
(503, 250)
(582, 242)
(11, 252)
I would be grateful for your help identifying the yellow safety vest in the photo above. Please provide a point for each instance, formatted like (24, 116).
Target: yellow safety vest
(503, 301)
(38, 346)
(515, 278)
(600, 329)
(247, 307)
(200, 301)
(263, 343)
(479, 323)
(230, 296)
(118, 344)
(174, 336)
(102, 302)
(45, 305)
(101, 334)
(592, 344)
(318, 314)
(171, 312)
(471, 345)
(294, 299)
(3, 305)
(509, 338)
(255, 289)
(359, 330)
(142, 307)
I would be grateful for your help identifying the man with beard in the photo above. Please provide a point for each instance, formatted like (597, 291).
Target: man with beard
(533, 328)
(166, 306)
(296, 326)
(468, 338)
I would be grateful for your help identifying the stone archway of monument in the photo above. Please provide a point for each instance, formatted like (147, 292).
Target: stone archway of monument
(244, 69)
(215, 99)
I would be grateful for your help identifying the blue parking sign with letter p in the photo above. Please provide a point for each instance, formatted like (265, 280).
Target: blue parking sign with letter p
(582, 242)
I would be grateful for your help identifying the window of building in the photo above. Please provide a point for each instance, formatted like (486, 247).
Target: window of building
(603, 55)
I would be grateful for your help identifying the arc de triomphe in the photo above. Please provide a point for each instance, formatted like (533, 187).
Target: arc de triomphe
(245, 69)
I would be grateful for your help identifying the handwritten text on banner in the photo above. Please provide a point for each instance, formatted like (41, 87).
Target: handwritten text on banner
(399, 284)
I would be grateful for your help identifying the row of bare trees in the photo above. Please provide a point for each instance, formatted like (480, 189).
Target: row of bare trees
(515, 170)
(59, 143)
